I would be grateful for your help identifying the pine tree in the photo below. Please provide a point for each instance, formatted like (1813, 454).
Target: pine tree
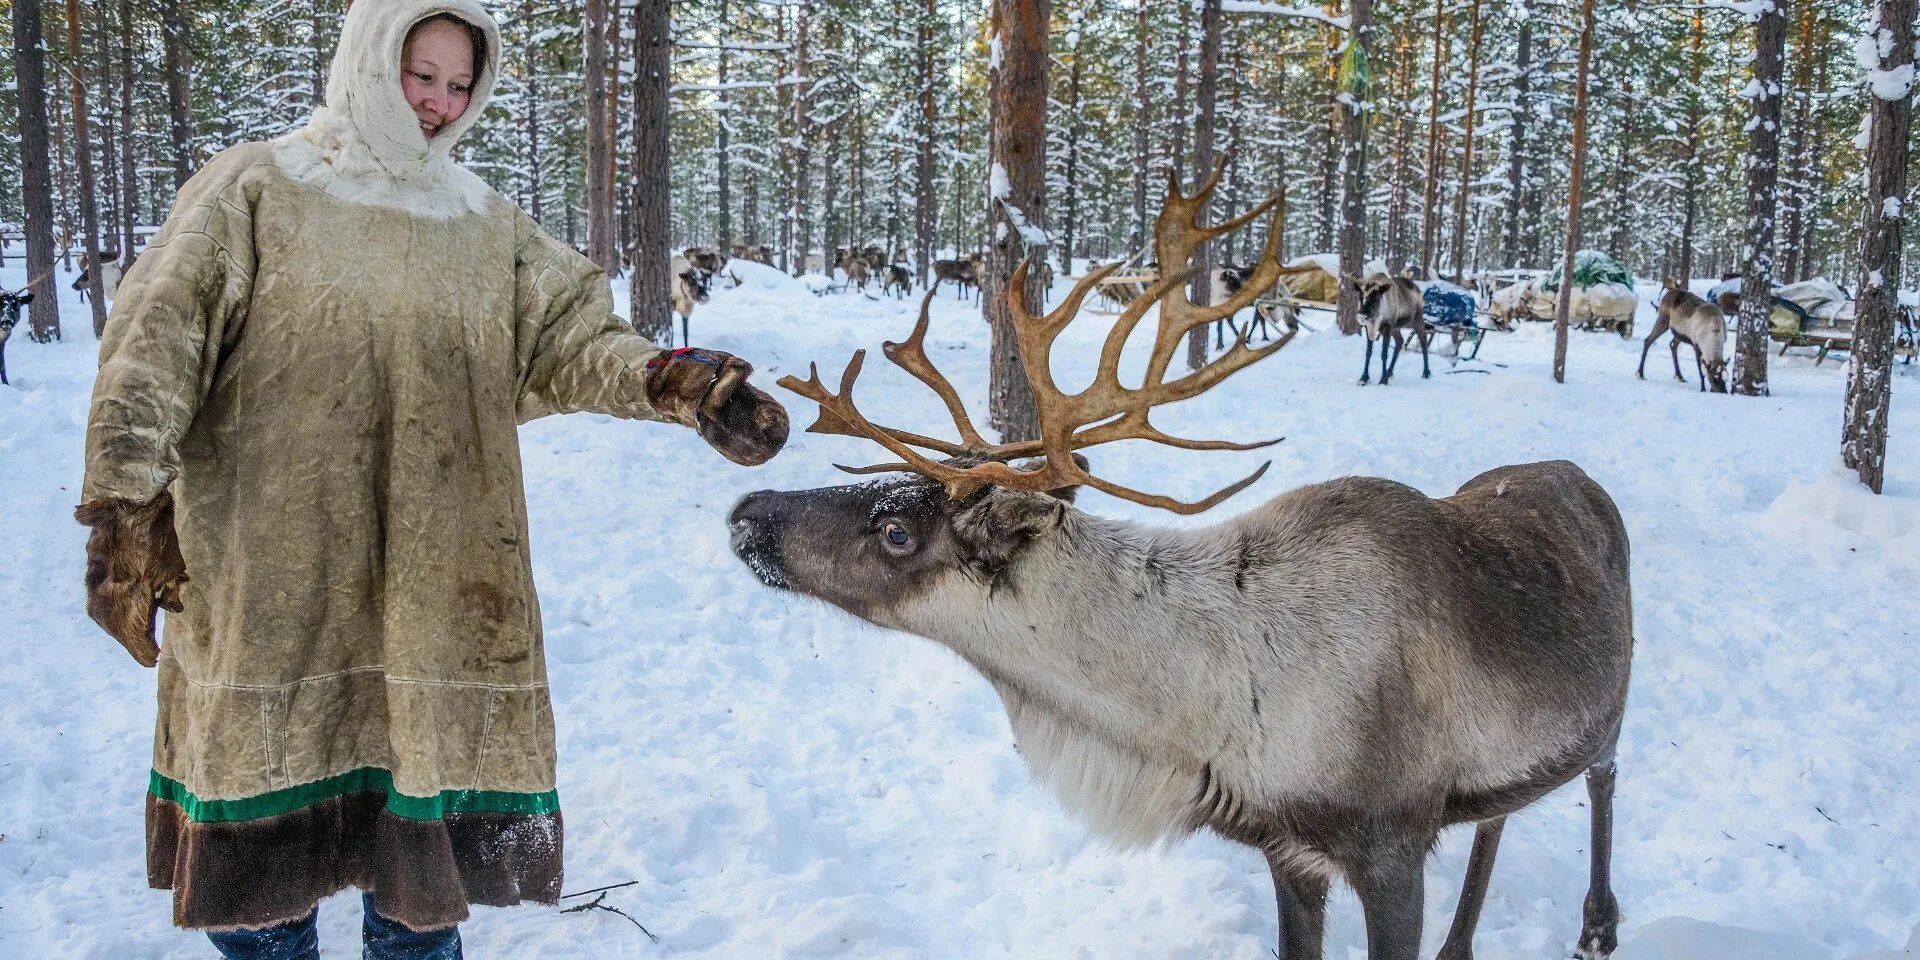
(1890, 38)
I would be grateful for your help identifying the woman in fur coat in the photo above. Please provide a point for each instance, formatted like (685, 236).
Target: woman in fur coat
(303, 445)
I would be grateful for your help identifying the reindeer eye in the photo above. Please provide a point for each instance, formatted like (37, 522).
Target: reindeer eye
(896, 535)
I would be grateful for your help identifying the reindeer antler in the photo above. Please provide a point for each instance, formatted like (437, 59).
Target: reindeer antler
(1103, 412)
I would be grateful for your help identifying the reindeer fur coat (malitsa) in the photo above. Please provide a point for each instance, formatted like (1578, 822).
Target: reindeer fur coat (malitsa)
(325, 355)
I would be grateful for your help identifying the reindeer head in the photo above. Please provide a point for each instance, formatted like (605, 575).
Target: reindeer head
(964, 514)
(697, 281)
(875, 549)
(1371, 290)
(10, 304)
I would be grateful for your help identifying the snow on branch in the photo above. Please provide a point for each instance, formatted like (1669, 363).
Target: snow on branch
(1283, 10)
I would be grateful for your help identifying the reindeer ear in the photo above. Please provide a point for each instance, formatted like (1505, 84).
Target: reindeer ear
(998, 523)
(1067, 493)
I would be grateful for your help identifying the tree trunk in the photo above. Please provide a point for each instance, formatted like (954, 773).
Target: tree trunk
(1181, 109)
(619, 213)
(1816, 144)
(1353, 162)
(1330, 142)
(1763, 162)
(129, 178)
(83, 158)
(1397, 184)
(1795, 195)
(1430, 217)
(723, 122)
(894, 175)
(1690, 168)
(29, 52)
(1581, 75)
(1201, 288)
(924, 201)
(1517, 152)
(784, 163)
(62, 209)
(1281, 178)
(652, 143)
(1070, 219)
(108, 196)
(599, 159)
(1460, 243)
(750, 212)
(532, 139)
(1017, 104)
(173, 34)
(802, 150)
(1617, 242)
(1870, 367)
(1142, 123)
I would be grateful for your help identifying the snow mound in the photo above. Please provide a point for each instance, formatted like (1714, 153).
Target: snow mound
(759, 276)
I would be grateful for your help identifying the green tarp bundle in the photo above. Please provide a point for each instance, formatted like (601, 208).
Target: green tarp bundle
(1590, 267)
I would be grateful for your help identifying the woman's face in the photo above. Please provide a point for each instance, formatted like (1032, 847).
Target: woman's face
(437, 74)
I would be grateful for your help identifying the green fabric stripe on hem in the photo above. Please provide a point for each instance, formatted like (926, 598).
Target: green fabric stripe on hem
(276, 802)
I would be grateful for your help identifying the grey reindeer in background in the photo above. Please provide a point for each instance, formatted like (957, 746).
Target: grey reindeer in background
(1695, 321)
(1389, 313)
(1331, 678)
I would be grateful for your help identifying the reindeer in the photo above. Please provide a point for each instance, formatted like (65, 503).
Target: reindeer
(709, 259)
(856, 269)
(689, 287)
(1228, 280)
(965, 274)
(109, 274)
(899, 280)
(1390, 309)
(1331, 678)
(1697, 322)
(759, 253)
(10, 304)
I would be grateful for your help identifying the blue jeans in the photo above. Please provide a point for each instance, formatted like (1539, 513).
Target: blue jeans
(384, 940)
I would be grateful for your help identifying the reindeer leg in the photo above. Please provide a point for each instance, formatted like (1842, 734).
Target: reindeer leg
(1473, 893)
(686, 340)
(3, 363)
(1699, 367)
(1366, 366)
(1397, 342)
(1302, 901)
(1392, 892)
(1659, 327)
(1426, 337)
(1599, 931)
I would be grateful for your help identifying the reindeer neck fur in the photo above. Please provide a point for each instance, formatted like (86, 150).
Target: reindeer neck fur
(1093, 639)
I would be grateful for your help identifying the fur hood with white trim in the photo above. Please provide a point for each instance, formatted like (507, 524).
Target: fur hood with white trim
(365, 145)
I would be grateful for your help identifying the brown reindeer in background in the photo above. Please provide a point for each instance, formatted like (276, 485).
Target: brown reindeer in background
(1331, 678)
(856, 268)
(964, 274)
(1698, 323)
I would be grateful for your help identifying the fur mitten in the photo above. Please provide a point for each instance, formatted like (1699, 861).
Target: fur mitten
(134, 567)
(708, 390)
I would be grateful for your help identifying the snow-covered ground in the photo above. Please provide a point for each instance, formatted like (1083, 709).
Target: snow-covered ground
(784, 782)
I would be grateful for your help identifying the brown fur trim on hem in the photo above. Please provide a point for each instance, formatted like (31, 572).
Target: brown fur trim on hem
(421, 873)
